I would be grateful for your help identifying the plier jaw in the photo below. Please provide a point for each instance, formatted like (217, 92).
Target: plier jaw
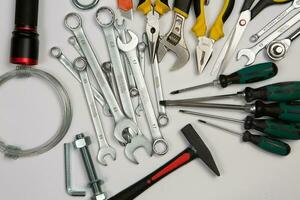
(152, 31)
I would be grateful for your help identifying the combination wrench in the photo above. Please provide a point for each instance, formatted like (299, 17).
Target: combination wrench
(295, 5)
(105, 149)
(160, 146)
(57, 53)
(253, 51)
(123, 125)
(121, 27)
(162, 119)
(141, 53)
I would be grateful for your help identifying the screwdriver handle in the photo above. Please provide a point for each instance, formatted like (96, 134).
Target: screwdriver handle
(274, 128)
(252, 74)
(279, 92)
(268, 144)
(285, 111)
(261, 5)
(182, 7)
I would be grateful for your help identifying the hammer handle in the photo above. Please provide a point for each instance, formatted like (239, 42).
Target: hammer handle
(139, 187)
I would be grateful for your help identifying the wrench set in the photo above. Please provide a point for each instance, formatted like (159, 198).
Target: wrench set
(118, 89)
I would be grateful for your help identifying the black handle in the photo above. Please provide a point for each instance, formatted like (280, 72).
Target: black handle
(294, 35)
(262, 4)
(182, 7)
(247, 5)
(139, 187)
(25, 43)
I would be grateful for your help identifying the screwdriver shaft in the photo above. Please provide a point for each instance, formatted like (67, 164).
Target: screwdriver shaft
(220, 127)
(214, 83)
(206, 98)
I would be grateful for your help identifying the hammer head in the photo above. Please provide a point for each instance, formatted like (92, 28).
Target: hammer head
(200, 149)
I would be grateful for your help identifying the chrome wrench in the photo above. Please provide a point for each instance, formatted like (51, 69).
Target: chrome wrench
(160, 146)
(80, 64)
(58, 54)
(141, 53)
(162, 119)
(107, 68)
(121, 27)
(295, 5)
(123, 124)
(253, 51)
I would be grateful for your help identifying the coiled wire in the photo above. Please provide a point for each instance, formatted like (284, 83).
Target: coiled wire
(64, 100)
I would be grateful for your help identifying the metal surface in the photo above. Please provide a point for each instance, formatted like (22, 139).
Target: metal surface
(231, 44)
(130, 51)
(152, 31)
(121, 27)
(295, 5)
(251, 53)
(95, 183)
(105, 149)
(213, 83)
(67, 158)
(56, 52)
(107, 68)
(174, 41)
(162, 119)
(220, 127)
(85, 6)
(199, 99)
(204, 52)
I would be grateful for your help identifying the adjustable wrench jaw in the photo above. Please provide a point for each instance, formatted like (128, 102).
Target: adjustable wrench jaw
(174, 41)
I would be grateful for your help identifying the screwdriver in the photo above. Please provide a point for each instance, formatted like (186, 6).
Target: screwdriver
(265, 143)
(289, 111)
(252, 74)
(279, 92)
(272, 127)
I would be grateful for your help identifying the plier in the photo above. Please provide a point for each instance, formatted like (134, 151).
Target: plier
(246, 15)
(153, 13)
(206, 43)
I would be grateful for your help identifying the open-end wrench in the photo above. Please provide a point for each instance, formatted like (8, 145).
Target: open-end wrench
(105, 149)
(73, 22)
(141, 53)
(162, 119)
(121, 28)
(253, 51)
(160, 146)
(295, 5)
(57, 53)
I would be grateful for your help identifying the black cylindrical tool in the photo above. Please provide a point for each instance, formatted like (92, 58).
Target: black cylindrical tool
(24, 43)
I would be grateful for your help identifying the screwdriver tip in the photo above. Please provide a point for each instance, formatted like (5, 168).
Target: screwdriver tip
(182, 111)
(175, 92)
(202, 121)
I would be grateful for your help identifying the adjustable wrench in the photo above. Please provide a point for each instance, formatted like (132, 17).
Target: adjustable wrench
(160, 145)
(253, 51)
(121, 27)
(141, 53)
(57, 53)
(162, 119)
(123, 124)
(105, 149)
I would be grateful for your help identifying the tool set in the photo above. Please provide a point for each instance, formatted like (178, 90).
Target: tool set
(119, 86)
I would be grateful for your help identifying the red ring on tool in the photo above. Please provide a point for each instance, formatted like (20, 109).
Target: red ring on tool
(25, 28)
(24, 61)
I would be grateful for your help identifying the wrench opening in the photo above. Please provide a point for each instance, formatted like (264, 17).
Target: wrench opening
(73, 21)
(105, 17)
(160, 146)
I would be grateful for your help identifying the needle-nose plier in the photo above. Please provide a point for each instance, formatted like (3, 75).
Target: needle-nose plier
(153, 13)
(204, 49)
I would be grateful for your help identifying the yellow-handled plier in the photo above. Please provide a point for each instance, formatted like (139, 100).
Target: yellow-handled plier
(153, 13)
(205, 46)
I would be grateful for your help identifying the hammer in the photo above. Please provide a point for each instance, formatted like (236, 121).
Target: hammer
(198, 149)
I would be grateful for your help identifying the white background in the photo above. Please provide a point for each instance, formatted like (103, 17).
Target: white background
(30, 114)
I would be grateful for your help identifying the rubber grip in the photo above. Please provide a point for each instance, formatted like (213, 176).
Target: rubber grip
(261, 5)
(200, 27)
(139, 187)
(182, 7)
(247, 5)
(26, 14)
(279, 92)
(285, 111)
(217, 30)
(125, 5)
(162, 6)
(268, 144)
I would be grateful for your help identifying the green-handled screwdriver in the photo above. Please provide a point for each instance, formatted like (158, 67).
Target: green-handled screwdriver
(271, 127)
(279, 92)
(265, 143)
(289, 111)
(252, 74)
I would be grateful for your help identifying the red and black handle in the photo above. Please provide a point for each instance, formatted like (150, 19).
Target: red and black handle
(139, 187)
(24, 42)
